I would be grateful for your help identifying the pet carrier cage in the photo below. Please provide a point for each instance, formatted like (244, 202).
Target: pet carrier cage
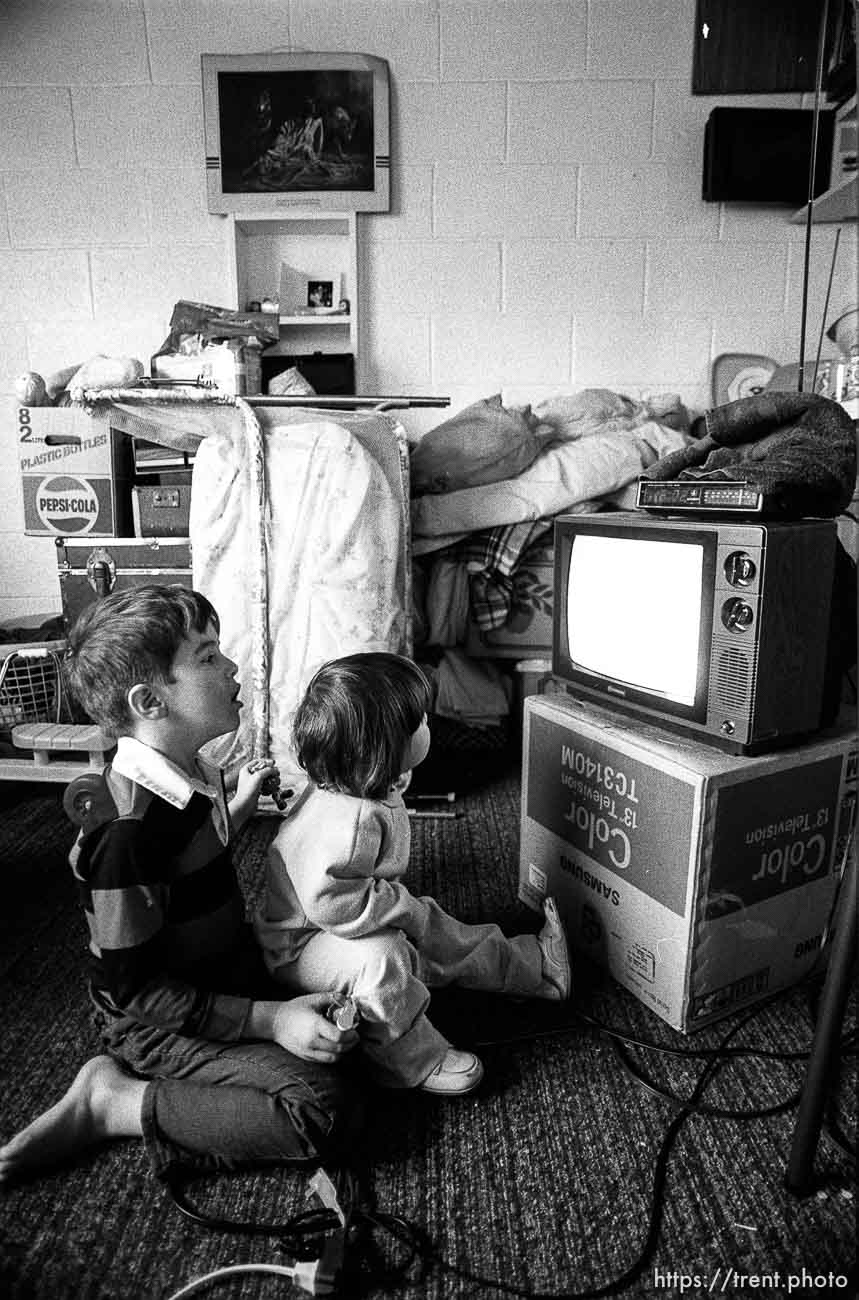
(31, 684)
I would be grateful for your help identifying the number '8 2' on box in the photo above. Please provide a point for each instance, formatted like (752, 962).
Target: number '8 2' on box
(75, 473)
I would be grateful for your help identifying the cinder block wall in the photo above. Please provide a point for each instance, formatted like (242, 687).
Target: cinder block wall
(547, 232)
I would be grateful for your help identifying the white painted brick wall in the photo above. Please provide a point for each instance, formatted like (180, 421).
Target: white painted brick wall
(73, 43)
(505, 201)
(627, 38)
(502, 41)
(563, 122)
(33, 284)
(546, 230)
(38, 130)
(451, 122)
(65, 207)
(140, 125)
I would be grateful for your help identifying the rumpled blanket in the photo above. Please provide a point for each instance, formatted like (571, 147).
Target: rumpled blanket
(335, 550)
(603, 442)
(797, 449)
(445, 607)
(491, 559)
(484, 443)
(472, 580)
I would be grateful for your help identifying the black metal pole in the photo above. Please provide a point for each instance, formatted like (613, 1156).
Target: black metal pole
(827, 1035)
(812, 170)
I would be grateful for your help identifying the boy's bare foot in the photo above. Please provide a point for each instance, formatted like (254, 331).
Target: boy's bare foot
(102, 1102)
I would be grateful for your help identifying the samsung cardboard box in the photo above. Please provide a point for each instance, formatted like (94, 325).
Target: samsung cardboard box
(75, 473)
(703, 881)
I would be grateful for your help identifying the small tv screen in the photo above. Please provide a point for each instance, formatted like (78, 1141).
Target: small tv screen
(619, 584)
(716, 627)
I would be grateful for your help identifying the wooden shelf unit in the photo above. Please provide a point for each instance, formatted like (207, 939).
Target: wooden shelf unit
(274, 255)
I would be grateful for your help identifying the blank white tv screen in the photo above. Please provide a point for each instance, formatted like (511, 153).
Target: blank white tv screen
(634, 612)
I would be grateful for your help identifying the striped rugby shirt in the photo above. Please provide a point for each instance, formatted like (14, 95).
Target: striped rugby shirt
(162, 901)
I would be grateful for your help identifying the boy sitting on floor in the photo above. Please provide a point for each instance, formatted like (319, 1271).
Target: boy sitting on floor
(205, 1059)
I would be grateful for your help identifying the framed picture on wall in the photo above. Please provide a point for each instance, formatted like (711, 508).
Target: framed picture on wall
(296, 131)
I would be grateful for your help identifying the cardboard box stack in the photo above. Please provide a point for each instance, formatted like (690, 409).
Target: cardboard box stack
(703, 881)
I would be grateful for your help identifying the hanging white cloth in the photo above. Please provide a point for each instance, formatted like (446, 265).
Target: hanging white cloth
(334, 538)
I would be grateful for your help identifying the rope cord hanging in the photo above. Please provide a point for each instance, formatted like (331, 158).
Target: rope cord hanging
(258, 563)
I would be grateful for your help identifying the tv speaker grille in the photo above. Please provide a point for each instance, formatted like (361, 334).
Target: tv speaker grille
(734, 679)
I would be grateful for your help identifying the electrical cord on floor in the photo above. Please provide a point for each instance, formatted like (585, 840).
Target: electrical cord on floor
(620, 1040)
(302, 1235)
(640, 1076)
(334, 1244)
(303, 1275)
(717, 1058)
(331, 1241)
(690, 1053)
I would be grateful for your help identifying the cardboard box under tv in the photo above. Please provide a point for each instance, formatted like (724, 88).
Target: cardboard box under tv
(75, 473)
(703, 881)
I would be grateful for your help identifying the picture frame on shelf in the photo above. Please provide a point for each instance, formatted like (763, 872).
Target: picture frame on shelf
(316, 292)
(296, 130)
(321, 295)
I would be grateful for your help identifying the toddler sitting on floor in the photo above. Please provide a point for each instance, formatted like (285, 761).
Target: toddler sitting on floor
(337, 917)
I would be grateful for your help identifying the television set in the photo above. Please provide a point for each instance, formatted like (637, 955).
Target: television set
(296, 131)
(716, 627)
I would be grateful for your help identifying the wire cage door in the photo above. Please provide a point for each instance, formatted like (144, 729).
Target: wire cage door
(31, 685)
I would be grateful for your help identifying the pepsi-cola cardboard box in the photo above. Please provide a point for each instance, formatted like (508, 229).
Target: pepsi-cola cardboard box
(75, 473)
(703, 881)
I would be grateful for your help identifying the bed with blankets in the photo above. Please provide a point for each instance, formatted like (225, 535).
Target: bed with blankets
(317, 533)
(486, 486)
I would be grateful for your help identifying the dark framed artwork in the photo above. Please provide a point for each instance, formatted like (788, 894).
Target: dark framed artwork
(296, 131)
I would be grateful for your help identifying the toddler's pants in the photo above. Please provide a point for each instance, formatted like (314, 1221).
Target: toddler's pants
(389, 976)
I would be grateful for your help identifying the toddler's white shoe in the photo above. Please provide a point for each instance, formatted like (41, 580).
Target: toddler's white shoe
(557, 979)
(455, 1074)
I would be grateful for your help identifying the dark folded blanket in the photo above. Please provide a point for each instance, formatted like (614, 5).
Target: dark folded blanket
(797, 449)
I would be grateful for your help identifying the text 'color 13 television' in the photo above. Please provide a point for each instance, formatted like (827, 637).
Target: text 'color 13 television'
(718, 628)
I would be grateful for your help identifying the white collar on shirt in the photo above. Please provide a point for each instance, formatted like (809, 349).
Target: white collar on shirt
(155, 772)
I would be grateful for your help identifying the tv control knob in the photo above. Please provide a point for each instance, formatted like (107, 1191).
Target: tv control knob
(737, 615)
(740, 569)
(727, 728)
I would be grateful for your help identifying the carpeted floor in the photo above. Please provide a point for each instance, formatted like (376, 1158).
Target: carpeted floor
(543, 1181)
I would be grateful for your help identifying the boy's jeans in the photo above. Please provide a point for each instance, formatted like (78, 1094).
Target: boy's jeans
(219, 1106)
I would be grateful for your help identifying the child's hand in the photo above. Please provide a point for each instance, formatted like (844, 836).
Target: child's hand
(300, 1026)
(253, 776)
